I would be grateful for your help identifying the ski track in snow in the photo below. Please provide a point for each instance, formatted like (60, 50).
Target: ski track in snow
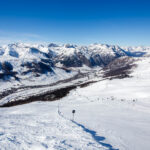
(40, 127)
(93, 133)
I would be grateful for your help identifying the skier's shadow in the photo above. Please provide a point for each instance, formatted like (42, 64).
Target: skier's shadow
(97, 138)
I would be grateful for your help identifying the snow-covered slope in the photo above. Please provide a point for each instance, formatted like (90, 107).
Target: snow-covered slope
(118, 109)
(110, 114)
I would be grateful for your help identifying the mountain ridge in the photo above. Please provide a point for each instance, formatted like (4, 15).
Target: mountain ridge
(22, 61)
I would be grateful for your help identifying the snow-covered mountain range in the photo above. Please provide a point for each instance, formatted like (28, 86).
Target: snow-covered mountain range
(24, 65)
(23, 61)
(107, 85)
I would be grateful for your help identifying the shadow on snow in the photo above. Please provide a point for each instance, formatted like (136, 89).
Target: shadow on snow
(97, 138)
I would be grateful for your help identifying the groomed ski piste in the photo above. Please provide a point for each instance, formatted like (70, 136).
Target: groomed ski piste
(110, 115)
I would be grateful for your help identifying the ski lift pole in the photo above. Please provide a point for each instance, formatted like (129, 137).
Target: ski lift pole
(73, 112)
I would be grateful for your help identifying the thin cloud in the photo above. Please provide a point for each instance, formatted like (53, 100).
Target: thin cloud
(31, 35)
(11, 37)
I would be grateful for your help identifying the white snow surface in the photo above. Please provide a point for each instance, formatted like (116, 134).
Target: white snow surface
(110, 114)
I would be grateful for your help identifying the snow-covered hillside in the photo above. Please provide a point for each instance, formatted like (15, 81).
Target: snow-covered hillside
(110, 114)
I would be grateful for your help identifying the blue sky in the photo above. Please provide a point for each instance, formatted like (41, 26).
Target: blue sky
(120, 22)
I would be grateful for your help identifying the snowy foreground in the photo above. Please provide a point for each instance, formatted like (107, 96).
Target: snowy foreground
(111, 114)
